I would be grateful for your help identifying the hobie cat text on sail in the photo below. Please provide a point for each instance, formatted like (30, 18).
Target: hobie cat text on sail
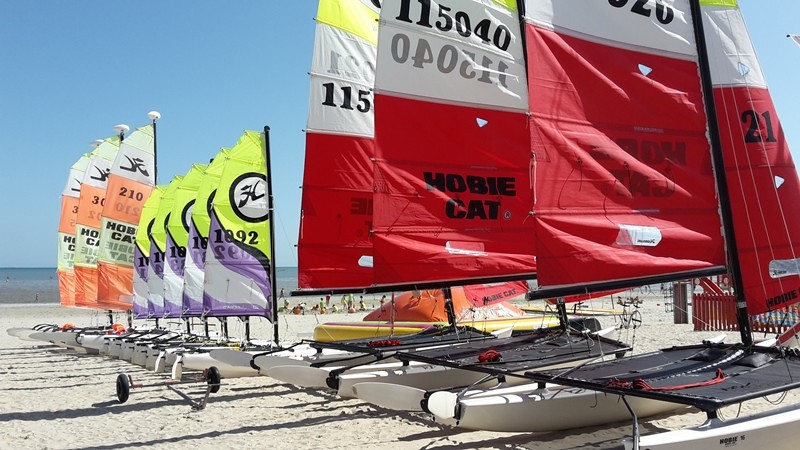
(472, 184)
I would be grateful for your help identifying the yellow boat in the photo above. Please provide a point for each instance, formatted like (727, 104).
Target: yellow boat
(337, 331)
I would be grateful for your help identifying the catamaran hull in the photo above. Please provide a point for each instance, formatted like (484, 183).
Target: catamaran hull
(237, 361)
(772, 430)
(265, 363)
(25, 333)
(200, 361)
(92, 341)
(60, 338)
(525, 408)
(420, 377)
(317, 377)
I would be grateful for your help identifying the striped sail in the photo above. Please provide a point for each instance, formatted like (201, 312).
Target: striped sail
(141, 253)
(158, 244)
(87, 227)
(453, 161)
(237, 267)
(177, 237)
(129, 185)
(334, 246)
(623, 175)
(762, 179)
(66, 231)
(194, 269)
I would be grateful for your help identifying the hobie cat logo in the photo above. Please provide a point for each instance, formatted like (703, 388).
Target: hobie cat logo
(248, 197)
(137, 165)
(186, 216)
(102, 175)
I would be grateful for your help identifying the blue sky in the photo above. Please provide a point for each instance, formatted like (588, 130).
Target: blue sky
(70, 70)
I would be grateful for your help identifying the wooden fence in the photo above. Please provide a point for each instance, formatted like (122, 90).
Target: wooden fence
(714, 312)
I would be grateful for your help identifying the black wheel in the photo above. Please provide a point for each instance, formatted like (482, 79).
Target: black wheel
(214, 378)
(123, 387)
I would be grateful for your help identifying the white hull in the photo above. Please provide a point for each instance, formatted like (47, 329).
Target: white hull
(92, 341)
(316, 377)
(236, 361)
(524, 408)
(421, 377)
(23, 333)
(398, 397)
(139, 356)
(772, 430)
(126, 350)
(60, 338)
(200, 361)
(303, 358)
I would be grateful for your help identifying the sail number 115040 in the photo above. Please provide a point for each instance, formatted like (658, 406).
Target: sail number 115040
(446, 20)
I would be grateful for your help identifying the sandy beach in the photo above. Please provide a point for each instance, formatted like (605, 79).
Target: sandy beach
(54, 398)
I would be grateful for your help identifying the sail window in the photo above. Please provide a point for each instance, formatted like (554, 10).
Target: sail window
(779, 268)
(743, 69)
(638, 236)
(465, 248)
(481, 122)
(365, 261)
(778, 182)
(645, 70)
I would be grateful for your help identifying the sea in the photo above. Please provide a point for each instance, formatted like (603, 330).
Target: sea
(40, 285)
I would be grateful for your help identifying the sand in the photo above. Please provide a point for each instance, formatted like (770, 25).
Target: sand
(54, 398)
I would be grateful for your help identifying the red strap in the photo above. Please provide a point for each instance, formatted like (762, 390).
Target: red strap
(489, 356)
(383, 343)
(642, 385)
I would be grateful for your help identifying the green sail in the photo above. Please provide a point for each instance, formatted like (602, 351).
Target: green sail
(194, 268)
(158, 244)
(141, 253)
(239, 253)
(177, 228)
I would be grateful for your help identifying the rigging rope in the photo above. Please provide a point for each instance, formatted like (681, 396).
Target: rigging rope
(640, 384)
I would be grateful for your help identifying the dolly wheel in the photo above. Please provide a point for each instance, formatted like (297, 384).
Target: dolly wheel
(214, 379)
(123, 387)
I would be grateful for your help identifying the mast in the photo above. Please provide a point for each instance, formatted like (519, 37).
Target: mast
(154, 116)
(734, 267)
(121, 129)
(271, 209)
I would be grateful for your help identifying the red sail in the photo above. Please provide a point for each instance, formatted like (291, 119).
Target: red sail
(762, 179)
(334, 246)
(624, 187)
(452, 198)
(335, 227)
(453, 164)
